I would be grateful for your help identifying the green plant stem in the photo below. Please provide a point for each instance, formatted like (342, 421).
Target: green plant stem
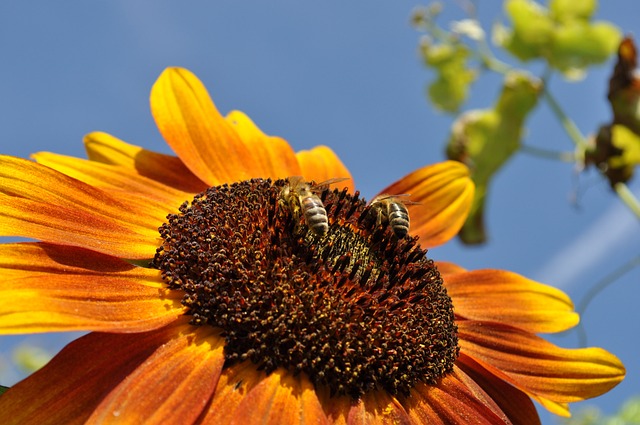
(569, 126)
(569, 157)
(599, 287)
(627, 197)
(578, 139)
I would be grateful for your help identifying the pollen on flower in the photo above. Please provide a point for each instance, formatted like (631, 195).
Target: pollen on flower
(356, 309)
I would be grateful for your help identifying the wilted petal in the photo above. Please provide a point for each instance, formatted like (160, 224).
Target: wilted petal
(551, 375)
(501, 296)
(444, 192)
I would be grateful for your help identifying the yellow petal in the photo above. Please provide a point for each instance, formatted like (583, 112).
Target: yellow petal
(68, 389)
(444, 192)
(321, 163)
(166, 169)
(280, 398)
(49, 288)
(234, 384)
(446, 268)
(40, 203)
(551, 375)
(378, 407)
(173, 385)
(501, 296)
(119, 180)
(272, 156)
(190, 123)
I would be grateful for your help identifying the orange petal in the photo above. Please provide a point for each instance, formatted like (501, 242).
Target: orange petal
(501, 296)
(514, 403)
(280, 398)
(173, 386)
(68, 389)
(455, 399)
(551, 375)
(234, 384)
(321, 164)
(190, 123)
(444, 192)
(446, 268)
(49, 288)
(40, 203)
(165, 169)
(378, 407)
(124, 181)
(273, 157)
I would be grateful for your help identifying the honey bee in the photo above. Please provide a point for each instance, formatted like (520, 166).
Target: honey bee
(300, 197)
(391, 211)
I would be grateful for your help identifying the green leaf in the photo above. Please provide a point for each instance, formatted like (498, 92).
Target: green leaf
(451, 87)
(532, 29)
(563, 35)
(567, 10)
(3, 389)
(486, 139)
(577, 45)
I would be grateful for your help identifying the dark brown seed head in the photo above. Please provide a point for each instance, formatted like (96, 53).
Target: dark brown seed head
(355, 310)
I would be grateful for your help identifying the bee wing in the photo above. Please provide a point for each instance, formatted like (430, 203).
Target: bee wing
(397, 197)
(295, 180)
(325, 184)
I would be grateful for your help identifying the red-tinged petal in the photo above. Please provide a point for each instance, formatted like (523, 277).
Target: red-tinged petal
(234, 384)
(48, 288)
(446, 268)
(551, 375)
(40, 203)
(455, 399)
(378, 407)
(119, 180)
(321, 164)
(514, 403)
(273, 157)
(444, 192)
(190, 123)
(280, 398)
(70, 387)
(501, 296)
(173, 386)
(166, 169)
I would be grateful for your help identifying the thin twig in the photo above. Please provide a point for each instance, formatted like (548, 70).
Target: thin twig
(596, 289)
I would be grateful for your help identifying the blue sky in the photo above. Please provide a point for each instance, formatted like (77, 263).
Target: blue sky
(345, 74)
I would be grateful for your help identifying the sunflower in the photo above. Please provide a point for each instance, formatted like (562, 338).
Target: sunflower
(211, 295)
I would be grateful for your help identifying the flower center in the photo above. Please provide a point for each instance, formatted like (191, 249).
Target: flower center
(355, 308)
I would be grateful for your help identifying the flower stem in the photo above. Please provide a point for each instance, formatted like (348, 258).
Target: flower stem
(548, 154)
(569, 126)
(628, 198)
